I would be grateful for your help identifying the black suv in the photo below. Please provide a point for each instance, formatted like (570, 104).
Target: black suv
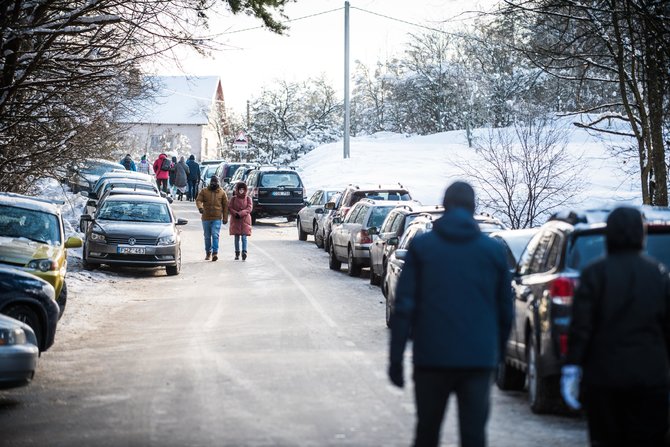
(543, 287)
(277, 192)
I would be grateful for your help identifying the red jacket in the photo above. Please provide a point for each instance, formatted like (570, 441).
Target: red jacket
(160, 175)
(241, 205)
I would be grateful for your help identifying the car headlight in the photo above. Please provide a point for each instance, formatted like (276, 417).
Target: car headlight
(167, 240)
(15, 336)
(97, 237)
(43, 265)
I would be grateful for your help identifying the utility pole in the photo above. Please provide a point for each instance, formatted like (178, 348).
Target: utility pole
(346, 80)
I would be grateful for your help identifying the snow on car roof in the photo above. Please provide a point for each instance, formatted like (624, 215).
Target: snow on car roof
(31, 203)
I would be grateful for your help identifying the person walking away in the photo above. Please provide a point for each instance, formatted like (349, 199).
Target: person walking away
(144, 166)
(193, 177)
(618, 340)
(212, 202)
(181, 178)
(240, 208)
(128, 163)
(454, 300)
(172, 175)
(162, 167)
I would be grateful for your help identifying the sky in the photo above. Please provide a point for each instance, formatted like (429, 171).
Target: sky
(252, 58)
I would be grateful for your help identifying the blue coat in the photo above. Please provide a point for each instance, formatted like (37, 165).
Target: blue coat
(453, 297)
(193, 170)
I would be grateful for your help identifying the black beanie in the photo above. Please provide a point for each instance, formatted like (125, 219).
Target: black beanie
(459, 195)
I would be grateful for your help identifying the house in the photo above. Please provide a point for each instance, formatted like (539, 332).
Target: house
(181, 115)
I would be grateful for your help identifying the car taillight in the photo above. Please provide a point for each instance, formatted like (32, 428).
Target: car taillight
(344, 210)
(563, 344)
(562, 290)
(362, 237)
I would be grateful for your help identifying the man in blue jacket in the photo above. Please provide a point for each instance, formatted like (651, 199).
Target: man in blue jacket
(454, 300)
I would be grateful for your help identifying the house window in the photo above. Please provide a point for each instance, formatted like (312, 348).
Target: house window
(155, 142)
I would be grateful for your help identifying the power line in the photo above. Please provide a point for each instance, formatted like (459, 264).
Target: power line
(286, 21)
(404, 21)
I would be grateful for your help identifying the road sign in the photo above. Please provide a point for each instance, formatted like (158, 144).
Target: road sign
(241, 144)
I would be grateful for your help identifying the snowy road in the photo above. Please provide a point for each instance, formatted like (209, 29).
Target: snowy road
(275, 351)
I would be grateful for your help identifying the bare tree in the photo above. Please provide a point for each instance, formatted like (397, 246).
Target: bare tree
(524, 172)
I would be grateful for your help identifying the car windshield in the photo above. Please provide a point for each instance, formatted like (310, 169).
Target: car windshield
(134, 211)
(209, 171)
(378, 215)
(96, 168)
(275, 179)
(588, 247)
(30, 224)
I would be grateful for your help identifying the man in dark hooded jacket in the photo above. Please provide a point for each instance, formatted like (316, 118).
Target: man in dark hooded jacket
(454, 297)
(619, 338)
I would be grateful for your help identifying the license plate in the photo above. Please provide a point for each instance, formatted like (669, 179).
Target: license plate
(131, 250)
(281, 193)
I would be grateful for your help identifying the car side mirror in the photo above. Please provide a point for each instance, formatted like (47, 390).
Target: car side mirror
(73, 242)
(393, 241)
(329, 206)
(92, 203)
(169, 199)
(86, 218)
(401, 254)
(226, 180)
(93, 195)
(373, 230)
(319, 211)
(181, 222)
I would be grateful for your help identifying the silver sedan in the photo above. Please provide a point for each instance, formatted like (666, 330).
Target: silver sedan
(18, 353)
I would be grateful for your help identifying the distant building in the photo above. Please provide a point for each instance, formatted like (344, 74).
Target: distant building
(184, 115)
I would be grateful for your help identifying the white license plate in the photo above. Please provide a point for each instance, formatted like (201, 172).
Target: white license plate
(281, 193)
(131, 250)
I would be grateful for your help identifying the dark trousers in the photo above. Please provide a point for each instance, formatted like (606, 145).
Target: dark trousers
(163, 185)
(630, 418)
(432, 388)
(192, 189)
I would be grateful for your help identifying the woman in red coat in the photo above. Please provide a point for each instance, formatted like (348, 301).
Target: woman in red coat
(240, 207)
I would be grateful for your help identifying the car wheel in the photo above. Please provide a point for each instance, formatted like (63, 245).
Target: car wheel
(253, 219)
(28, 316)
(333, 262)
(290, 218)
(375, 279)
(509, 378)
(301, 233)
(538, 387)
(326, 242)
(353, 269)
(173, 270)
(62, 300)
(388, 313)
(384, 283)
(318, 238)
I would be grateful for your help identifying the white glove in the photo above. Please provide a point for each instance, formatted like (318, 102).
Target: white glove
(571, 375)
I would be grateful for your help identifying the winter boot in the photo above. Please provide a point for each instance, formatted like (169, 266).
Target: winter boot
(208, 256)
(244, 255)
(215, 256)
(237, 255)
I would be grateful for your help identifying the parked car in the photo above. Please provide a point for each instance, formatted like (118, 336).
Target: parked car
(278, 192)
(326, 217)
(215, 162)
(134, 230)
(136, 189)
(514, 242)
(385, 238)
(352, 194)
(18, 353)
(32, 238)
(82, 175)
(240, 175)
(226, 171)
(121, 173)
(32, 301)
(543, 286)
(488, 224)
(312, 213)
(206, 173)
(349, 239)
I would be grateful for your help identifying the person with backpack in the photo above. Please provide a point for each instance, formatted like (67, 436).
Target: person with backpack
(181, 178)
(128, 163)
(144, 166)
(193, 178)
(240, 208)
(162, 167)
(212, 202)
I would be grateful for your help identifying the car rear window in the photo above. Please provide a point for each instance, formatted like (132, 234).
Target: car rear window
(378, 215)
(275, 179)
(29, 224)
(381, 195)
(588, 247)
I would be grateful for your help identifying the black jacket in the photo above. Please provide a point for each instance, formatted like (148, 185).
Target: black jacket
(620, 326)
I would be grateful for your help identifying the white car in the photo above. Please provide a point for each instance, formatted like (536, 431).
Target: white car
(18, 353)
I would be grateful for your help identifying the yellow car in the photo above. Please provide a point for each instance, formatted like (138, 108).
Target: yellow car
(32, 238)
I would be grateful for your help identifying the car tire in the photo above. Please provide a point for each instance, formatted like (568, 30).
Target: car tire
(290, 218)
(326, 242)
(353, 269)
(384, 283)
(333, 262)
(375, 279)
(253, 219)
(302, 235)
(318, 239)
(62, 300)
(538, 387)
(28, 316)
(509, 378)
(388, 313)
(173, 270)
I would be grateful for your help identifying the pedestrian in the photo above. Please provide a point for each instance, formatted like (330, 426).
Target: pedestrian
(454, 301)
(212, 202)
(181, 178)
(162, 167)
(618, 340)
(240, 207)
(128, 163)
(193, 177)
(172, 176)
(144, 166)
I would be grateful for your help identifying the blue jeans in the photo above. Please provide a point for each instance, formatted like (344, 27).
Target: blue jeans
(211, 229)
(244, 242)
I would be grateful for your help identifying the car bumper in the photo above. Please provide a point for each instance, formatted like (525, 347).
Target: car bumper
(17, 365)
(362, 255)
(153, 255)
(279, 209)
